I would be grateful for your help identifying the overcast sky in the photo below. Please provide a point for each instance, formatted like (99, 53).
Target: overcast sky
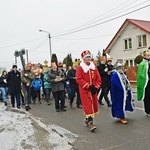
(91, 24)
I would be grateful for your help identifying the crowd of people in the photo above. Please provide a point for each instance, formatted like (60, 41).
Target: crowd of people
(86, 82)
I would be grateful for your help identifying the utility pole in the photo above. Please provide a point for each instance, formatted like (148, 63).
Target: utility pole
(16, 58)
(49, 36)
(27, 56)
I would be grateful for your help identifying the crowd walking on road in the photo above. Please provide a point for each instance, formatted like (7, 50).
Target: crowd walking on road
(84, 84)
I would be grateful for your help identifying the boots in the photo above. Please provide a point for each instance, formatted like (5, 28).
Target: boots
(101, 103)
(109, 104)
(89, 123)
(27, 107)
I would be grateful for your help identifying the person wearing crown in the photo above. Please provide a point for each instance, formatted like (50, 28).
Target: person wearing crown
(121, 94)
(143, 81)
(89, 81)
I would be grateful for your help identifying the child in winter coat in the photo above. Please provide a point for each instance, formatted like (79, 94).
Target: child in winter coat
(36, 85)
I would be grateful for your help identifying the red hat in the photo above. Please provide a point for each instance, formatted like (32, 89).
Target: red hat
(85, 54)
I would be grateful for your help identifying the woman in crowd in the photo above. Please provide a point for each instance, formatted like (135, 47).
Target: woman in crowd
(57, 78)
(4, 86)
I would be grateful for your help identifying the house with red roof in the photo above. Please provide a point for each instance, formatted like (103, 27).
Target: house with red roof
(131, 40)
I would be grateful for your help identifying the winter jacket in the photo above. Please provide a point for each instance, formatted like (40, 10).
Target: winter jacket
(72, 78)
(104, 75)
(56, 86)
(3, 81)
(27, 77)
(14, 82)
(36, 84)
(47, 84)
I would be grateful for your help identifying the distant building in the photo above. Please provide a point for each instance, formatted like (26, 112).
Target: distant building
(131, 40)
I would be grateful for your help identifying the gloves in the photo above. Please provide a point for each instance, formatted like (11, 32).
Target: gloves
(92, 89)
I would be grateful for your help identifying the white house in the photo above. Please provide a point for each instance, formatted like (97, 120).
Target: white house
(131, 40)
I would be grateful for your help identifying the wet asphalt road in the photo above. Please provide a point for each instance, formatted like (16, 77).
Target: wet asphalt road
(110, 133)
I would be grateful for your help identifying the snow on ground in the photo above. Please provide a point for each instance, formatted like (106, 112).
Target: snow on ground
(67, 137)
(17, 132)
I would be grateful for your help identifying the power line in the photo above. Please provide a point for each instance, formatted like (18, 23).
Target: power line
(87, 38)
(122, 10)
(92, 37)
(39, 45)
(88, 22)
(103, 22)
(117, 12)
(90, 25)
(22, 42)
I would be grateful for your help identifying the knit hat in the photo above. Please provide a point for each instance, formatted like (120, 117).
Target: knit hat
(14, 66)
(85, 54)
(60, 64)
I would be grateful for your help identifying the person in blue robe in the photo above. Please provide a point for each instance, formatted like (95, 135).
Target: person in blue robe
(121, 94)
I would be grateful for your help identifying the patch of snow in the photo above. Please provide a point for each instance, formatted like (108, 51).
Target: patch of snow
(17, 132)
(61, 137)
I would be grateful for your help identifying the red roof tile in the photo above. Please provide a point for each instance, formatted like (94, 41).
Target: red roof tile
(144, 25)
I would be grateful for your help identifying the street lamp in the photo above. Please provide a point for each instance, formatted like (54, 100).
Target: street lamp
(49, 36)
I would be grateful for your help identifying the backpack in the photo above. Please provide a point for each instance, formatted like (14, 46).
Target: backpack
(37, 84)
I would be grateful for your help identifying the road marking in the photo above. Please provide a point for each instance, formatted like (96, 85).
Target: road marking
(139, 108)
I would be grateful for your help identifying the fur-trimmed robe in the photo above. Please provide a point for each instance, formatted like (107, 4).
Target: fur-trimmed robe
(85, 76)
(142, 79)
(120, 97)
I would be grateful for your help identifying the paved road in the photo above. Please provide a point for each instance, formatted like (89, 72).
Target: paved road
(110, 133)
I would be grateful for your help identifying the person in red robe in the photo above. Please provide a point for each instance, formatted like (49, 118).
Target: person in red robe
(89, 81)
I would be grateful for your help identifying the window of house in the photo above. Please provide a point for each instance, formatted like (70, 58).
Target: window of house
(141, 41)
(120, 61)
(129, 62)
(128, 44)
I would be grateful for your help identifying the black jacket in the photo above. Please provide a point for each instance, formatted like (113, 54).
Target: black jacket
(71, 75)
(2, 83)
(104, 75)
(14, 82)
